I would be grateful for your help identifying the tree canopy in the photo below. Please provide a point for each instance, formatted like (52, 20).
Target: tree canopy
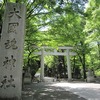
(62, 23)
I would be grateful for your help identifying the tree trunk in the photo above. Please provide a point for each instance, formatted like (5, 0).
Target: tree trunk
(84, 67)
(83, 59)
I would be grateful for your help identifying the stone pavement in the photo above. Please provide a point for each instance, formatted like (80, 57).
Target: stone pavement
(89, 91)
(61, 91)
(46, 91)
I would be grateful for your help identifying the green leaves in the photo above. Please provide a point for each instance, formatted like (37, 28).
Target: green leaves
(92, 27)
(66, 23)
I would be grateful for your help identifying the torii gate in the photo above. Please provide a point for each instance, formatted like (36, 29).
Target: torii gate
(67, 53)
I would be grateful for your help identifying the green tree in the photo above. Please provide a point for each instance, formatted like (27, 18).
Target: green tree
(65, 23)
(93, 29)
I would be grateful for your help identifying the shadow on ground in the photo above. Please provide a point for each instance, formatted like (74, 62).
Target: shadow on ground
(45, 91)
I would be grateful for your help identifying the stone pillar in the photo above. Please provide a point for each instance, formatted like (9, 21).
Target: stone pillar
(42, 65)
(90, 76)
(11, 52)
(69, 66)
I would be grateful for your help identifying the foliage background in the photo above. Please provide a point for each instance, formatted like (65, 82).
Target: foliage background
(61, 23)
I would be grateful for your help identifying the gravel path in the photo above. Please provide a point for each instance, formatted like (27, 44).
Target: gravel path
(47, 91)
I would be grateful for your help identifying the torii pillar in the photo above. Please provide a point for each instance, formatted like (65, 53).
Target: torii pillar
(69, 66)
